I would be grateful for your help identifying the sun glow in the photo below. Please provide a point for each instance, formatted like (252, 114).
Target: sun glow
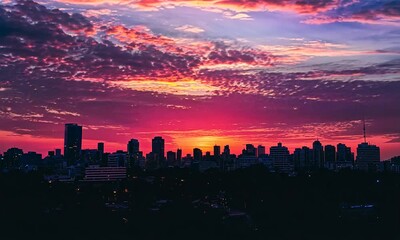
(182, 87)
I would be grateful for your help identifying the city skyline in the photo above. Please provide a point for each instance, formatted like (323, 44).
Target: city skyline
(146, 145)
(73, 148)
(200, 73)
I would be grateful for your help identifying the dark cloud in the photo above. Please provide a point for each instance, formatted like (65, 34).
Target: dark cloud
(385, 12)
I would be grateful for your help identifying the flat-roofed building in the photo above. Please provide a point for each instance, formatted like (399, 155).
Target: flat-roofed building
(104, 174)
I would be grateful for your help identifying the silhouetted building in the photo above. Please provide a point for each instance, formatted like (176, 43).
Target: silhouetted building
(30, 161)
(133, 152)
(205, 165)
(90, 156)
(197, 154)
(179, 155)
(296, 159)
(280, 157)
(58, 152)
(344, 157)
(100, 151)
(152, 161)
(157, 147)
(341, 153)
(306, 158)
(133, 147)
(330, 156)
(117, 159)
(303, 159)
(104, 174)
(217, 151)
(12, 158)
(207, 156)
(227, 150)
(250, 150)
(100, 147)
(245, 160)
(368, 157)
(318, 155)
(260, 151)
(226, 162)
(171, 158)
(395, 164)
(187, 160)
(72, 142)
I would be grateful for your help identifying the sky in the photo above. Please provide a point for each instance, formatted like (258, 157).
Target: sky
(200, 73)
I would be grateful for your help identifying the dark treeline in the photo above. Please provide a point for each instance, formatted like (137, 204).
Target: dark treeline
(183, 204)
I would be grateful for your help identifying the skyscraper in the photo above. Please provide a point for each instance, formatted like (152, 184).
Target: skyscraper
(197, 154)
(368, 156)
(171, 158)
(133, 147)
(280, 157)
(344, 156)
(330, 153)
(100, 148)
(179, 155)
(306, 157)
(217, 151)
(100, 152)
(296, 159)
(157, 148)
(318, 155)
(227, 151)
(330, 156)
(341, 153)
(72, 142)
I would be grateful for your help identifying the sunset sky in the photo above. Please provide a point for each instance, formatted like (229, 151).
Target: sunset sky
(200, 73)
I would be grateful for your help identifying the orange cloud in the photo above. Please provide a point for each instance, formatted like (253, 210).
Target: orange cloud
(302, 7)
(187, 87)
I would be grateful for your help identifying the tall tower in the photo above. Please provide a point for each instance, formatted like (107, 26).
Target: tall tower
(330, 154)
(157, 147)
(368, 156)
(179, 155)
(72, 142)
(217, 151)
(133, 147)
(365, 135)
(100, 147)
(227, 151)
(318, 154)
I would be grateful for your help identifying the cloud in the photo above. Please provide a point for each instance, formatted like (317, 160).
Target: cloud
(181, 87)
(238, 16)
(190, 29)
(299, 6)
(373, 12)
(394, 140)
(384, 12)
(58, 67)
(98, 12)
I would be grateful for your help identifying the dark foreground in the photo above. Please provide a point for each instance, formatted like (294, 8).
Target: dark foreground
(180, 204)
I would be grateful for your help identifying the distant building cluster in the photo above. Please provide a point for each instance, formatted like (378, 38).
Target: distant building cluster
(97, 165)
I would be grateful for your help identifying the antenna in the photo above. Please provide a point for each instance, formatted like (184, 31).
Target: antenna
(365, 135)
